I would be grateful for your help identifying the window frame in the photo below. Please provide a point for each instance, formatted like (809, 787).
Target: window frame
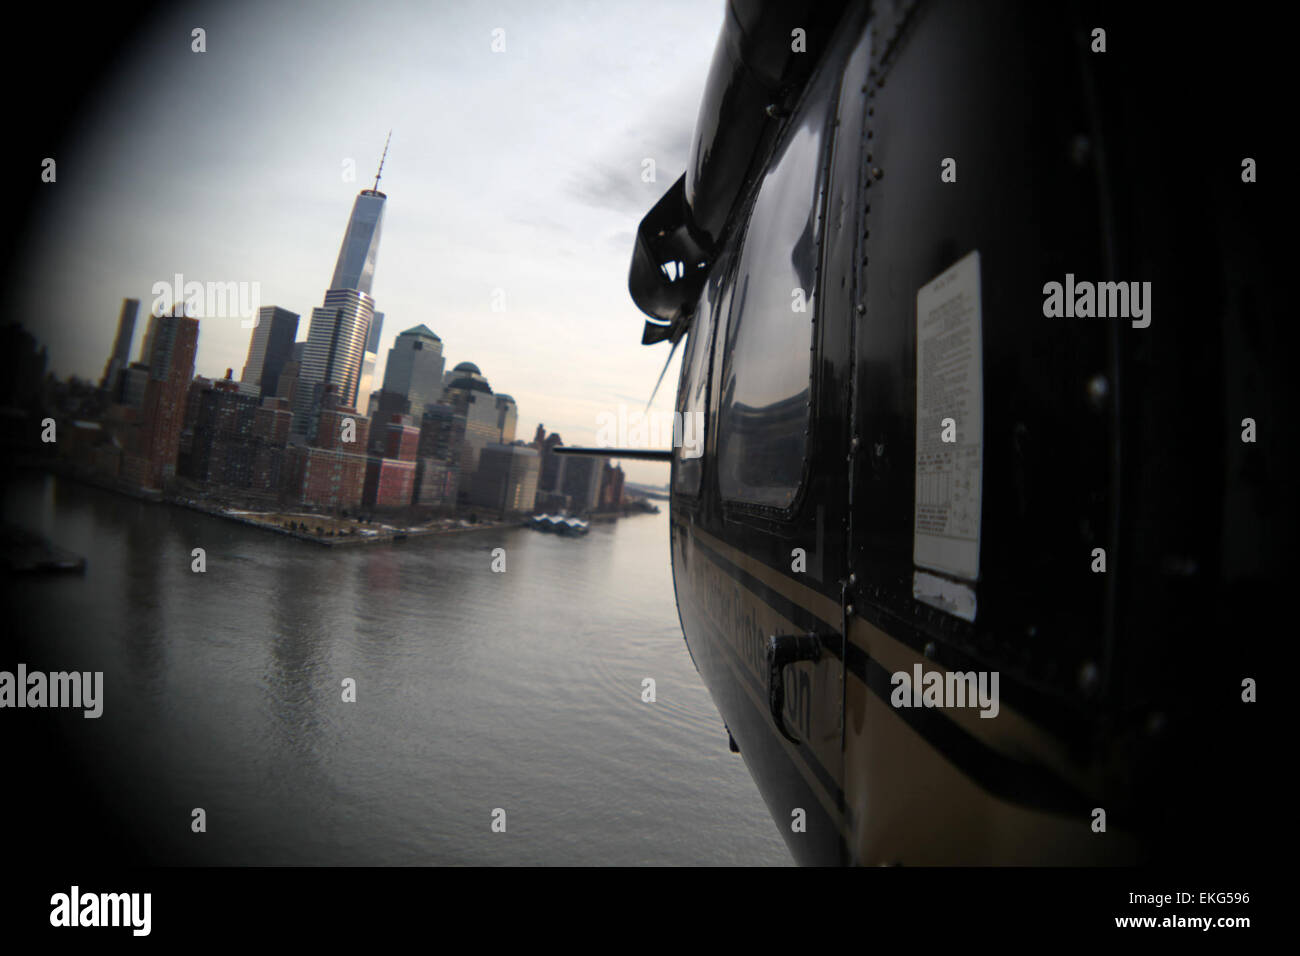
(738, 508)
(724, 277)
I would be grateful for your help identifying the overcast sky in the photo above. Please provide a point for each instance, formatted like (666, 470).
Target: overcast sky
(518, 170)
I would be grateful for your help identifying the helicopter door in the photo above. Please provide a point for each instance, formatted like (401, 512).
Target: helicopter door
(781, 502)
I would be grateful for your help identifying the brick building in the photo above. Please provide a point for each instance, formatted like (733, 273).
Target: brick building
(390, 477)
(151, 444)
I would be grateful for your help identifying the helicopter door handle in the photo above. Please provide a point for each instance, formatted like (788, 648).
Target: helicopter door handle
(784, 649)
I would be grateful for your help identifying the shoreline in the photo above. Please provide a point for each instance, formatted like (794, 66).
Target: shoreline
(337, 541)
(381, 536)
(216, 511)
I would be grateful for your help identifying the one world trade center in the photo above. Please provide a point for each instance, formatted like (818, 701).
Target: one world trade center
(336, 341)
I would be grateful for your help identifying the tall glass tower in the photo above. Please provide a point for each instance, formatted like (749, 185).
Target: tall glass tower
(356, 266)
(341, 326)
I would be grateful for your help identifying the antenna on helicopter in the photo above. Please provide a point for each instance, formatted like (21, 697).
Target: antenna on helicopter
(671, 352)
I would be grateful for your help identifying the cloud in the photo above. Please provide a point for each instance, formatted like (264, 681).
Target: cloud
(616, 184)
(663, 134)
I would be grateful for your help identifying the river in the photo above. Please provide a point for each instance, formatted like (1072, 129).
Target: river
(476, 692)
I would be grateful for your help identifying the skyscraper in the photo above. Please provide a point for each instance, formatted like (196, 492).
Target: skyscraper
(341, 326)
(414, 370)
(468, 391)
(120, 357)
(269, 348)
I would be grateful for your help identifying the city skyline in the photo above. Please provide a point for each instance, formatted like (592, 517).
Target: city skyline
(511, 228)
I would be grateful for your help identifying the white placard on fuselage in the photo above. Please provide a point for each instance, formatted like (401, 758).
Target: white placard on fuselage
(949, 385)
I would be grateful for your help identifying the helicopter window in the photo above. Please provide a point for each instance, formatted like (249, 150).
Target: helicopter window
(688, 438)
(763, 424)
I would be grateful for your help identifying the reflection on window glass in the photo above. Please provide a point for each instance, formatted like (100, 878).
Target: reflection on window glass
(762, 432)
(693, 395)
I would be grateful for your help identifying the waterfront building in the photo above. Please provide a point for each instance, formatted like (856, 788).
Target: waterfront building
(611, 488)
(222, 444)
(329, 471)
(550, 478)
(436, 483)
(506, 480)
(390, 476)
(234, 440)
(153, 444)
(580, 481)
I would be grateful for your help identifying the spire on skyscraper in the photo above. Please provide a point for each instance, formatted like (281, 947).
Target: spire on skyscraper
(382, 158)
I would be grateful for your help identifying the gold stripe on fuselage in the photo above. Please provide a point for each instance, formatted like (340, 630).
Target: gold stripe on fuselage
(880, 819)
(1011, 734)
(740, 620)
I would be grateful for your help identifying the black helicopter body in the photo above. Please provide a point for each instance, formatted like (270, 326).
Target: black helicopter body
(916, 176)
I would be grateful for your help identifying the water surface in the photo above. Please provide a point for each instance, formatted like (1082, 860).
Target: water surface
(475, 691)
